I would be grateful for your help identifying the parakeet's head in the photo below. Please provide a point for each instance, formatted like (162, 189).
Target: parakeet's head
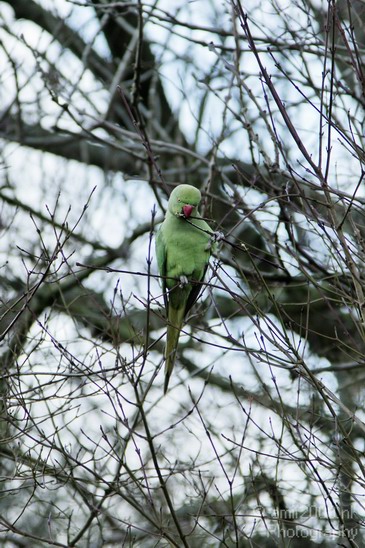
(184, 199)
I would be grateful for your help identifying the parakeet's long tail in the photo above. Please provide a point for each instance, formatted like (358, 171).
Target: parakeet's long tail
(175, 318)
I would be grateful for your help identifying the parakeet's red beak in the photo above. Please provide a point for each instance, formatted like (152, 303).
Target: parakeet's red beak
(187, 209)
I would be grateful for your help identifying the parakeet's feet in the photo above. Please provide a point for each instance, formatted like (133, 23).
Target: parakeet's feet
(183, 281)
(213, 240)
(217, 236)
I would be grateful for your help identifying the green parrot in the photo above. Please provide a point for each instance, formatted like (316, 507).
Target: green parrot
(183, 248)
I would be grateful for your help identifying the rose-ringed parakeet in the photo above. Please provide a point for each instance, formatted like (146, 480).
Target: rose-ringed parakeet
(183, 248)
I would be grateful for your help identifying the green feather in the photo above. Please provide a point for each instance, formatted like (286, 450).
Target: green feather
(183, 247)
(174, 326)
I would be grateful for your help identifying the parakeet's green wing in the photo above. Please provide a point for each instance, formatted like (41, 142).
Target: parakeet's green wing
(194, 293)
(161, 261)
